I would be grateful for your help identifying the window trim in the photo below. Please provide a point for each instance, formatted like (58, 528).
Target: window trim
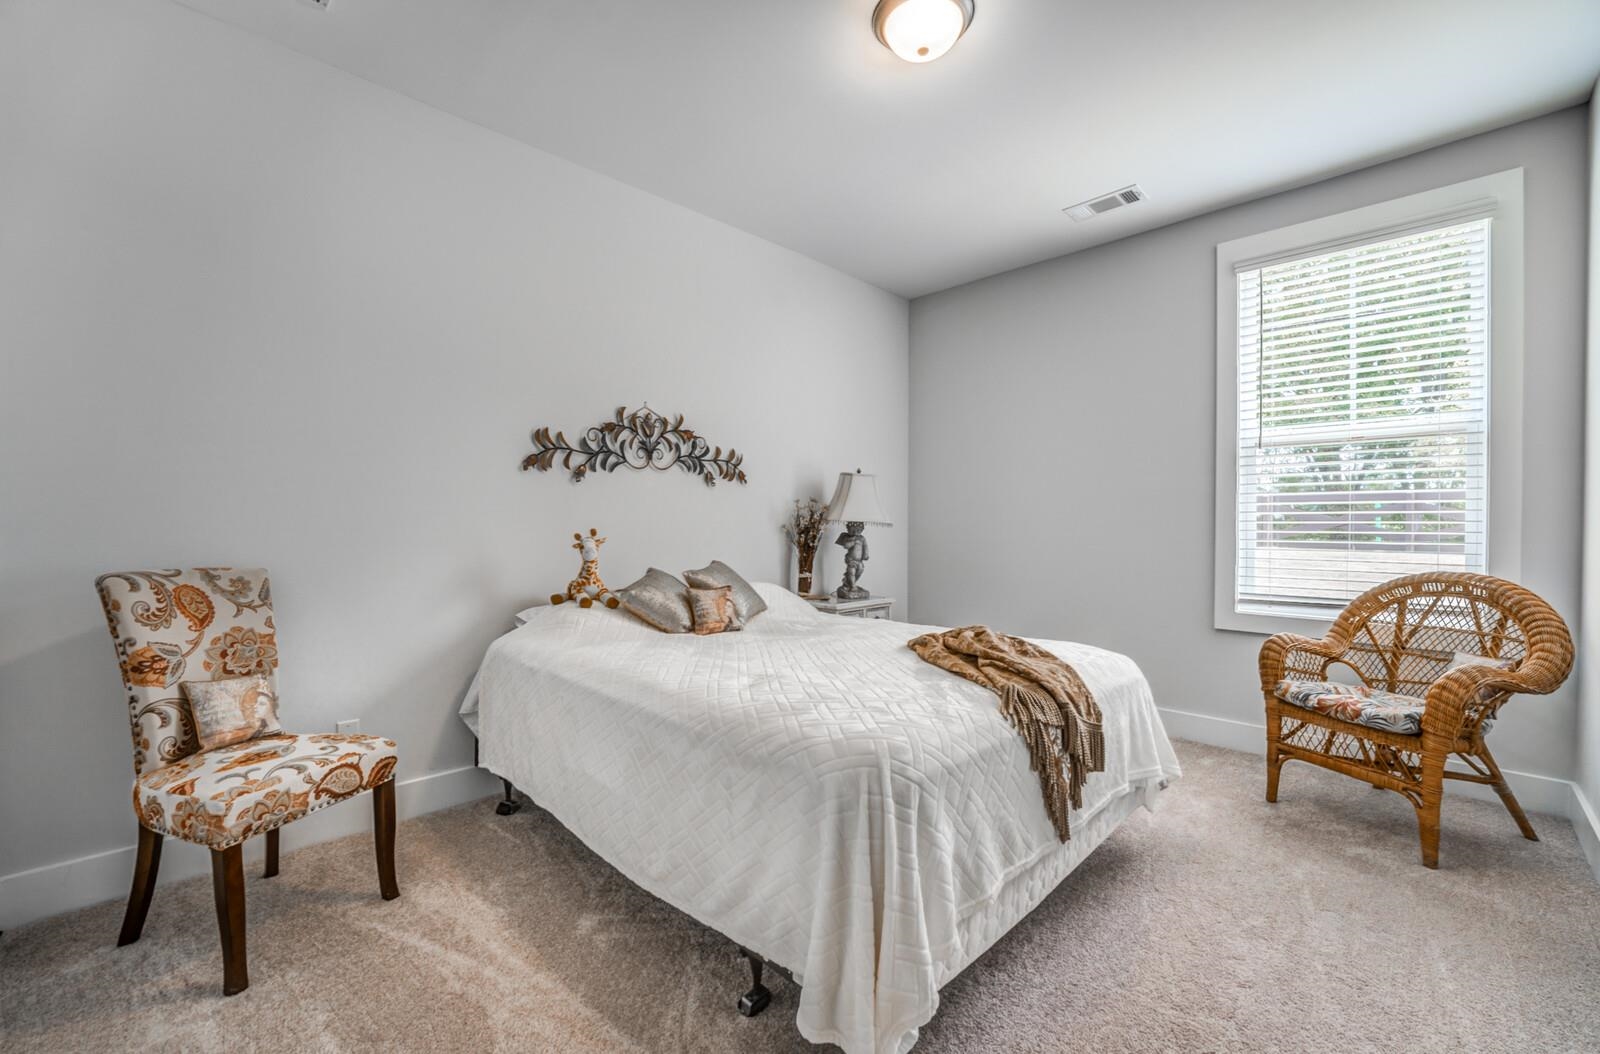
(1498, 196)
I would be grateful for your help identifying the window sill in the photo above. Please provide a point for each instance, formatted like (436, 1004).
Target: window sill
(1266, 621)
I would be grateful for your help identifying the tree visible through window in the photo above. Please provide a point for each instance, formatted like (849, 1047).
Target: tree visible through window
(1363, 417)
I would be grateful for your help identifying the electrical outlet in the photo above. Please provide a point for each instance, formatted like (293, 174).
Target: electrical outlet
(350, 727)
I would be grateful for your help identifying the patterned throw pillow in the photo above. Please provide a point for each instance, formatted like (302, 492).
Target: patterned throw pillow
(713, 609)
(659, 600)
(747, 603)
(232, 710)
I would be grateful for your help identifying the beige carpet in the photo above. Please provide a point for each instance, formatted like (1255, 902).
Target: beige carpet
(1219, 924)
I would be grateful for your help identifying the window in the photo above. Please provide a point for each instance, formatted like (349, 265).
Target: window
(1358, 428)
(1363, 417)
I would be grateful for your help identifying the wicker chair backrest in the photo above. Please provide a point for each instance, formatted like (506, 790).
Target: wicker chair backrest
(1405, 634)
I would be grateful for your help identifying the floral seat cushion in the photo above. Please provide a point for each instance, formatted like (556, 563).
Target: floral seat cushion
(218, 798)
(1356, 703)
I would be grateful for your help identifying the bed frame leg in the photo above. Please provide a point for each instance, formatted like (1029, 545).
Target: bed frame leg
(755, 1000)
(509, 804)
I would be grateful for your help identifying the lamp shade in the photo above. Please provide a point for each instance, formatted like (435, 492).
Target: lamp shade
(855, 500)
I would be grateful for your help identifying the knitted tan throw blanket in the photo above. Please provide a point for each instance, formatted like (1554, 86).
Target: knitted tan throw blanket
(1044, 699)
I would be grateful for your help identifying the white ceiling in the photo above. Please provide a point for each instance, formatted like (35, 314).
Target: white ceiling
(786, 118)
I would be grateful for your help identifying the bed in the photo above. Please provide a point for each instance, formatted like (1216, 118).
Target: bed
(809, 788)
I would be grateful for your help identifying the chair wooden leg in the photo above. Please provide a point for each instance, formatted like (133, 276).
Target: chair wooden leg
(1274, 758)
(383, 838)
(1502, 788)
(271, 870)
(1432, 800)
(227, 883)
(145, 865)
(1428, 829)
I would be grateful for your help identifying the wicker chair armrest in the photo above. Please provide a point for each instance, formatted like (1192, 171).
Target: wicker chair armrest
(1448, 698)
(1277, 650)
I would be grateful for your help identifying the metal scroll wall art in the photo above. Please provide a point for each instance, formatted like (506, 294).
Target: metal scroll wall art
(639, 440)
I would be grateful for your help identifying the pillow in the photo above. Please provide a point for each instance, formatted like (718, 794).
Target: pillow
(786, 606)
(1466, 658)
(659, 600)
(232, 710)
(747, 603)
(712, 609)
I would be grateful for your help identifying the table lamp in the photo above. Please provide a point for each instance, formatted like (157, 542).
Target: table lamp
(855, 504)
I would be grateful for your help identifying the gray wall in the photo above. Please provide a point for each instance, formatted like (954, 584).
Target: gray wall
(1062, 420)
(259, 311)
(1589, 639)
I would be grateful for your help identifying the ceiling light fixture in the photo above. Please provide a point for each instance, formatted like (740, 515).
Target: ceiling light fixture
(921, 30)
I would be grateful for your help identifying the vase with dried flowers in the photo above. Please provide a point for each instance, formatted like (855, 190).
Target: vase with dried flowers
(804, 530)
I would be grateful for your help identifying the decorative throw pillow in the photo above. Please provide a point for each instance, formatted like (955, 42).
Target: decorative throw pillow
(1465, 658)
(747, 603)
(659, 600)
(713, 609)
(232, 710)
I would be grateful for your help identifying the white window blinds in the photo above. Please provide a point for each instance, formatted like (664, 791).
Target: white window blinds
(1363, 417)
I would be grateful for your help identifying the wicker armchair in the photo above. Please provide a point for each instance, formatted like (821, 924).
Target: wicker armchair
(1437, 656)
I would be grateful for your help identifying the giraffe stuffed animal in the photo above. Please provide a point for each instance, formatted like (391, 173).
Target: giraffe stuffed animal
(587, 587)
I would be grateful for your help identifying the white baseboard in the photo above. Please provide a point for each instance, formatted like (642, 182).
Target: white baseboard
(1587, 825)
(54, 888)
(1216, 731)
(1543, 794)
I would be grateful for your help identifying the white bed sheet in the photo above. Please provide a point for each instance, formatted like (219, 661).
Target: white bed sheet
(809, 788)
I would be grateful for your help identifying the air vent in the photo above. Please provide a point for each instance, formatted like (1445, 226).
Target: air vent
(1088, 210)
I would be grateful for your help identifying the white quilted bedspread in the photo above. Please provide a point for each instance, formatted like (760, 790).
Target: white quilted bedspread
(807, 787)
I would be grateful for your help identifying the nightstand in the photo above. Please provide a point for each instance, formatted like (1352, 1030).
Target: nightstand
(872, 607)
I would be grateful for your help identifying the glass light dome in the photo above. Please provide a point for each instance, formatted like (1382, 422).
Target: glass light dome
(921, 30)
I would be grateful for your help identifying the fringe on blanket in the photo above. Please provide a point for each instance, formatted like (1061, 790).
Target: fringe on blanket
(1042, 697)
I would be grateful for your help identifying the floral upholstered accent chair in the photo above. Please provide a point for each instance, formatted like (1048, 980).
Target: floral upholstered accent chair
(206, 624)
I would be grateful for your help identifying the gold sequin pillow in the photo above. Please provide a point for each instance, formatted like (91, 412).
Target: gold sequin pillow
(713, 609)
(658, 599)
(232, 710)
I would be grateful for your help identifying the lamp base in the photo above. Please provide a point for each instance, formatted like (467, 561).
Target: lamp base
(855, 559)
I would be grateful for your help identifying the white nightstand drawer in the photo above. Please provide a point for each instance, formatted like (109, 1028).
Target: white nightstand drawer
(871, 607)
